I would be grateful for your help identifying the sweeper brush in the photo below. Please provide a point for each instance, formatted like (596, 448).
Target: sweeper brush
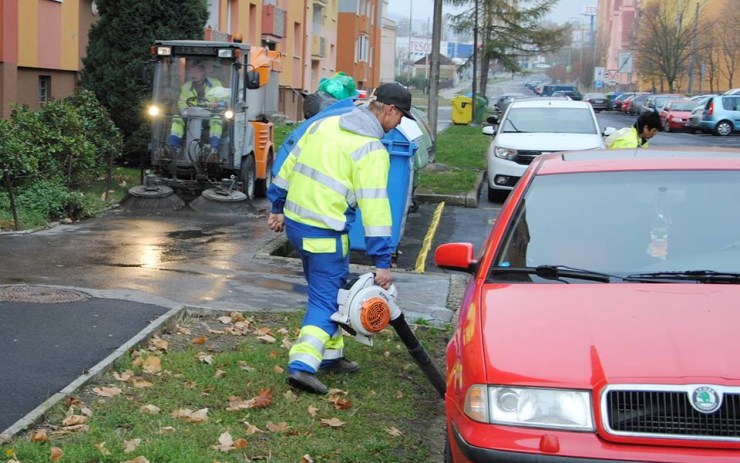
(150, 197)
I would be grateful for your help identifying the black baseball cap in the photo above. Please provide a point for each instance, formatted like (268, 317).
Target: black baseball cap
(395, 94)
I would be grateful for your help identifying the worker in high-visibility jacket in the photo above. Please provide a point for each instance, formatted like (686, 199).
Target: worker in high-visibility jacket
(199, 90)
(637, 136)
(337, 166)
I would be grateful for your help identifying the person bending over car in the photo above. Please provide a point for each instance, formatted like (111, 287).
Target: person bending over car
(637, 136)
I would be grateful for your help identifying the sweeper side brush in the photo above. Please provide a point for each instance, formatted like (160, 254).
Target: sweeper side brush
(223, 199)
(366, 308)
(151, 196)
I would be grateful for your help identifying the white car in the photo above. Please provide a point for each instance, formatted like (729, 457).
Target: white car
(532, 127)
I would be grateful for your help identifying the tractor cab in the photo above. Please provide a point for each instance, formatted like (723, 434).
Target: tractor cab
(202, 138)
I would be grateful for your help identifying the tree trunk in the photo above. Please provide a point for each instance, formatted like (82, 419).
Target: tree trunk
(11, 197)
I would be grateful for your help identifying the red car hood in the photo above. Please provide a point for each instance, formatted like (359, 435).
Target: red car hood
(579, 335)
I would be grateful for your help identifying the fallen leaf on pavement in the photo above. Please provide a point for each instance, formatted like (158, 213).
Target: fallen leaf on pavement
(199, 340)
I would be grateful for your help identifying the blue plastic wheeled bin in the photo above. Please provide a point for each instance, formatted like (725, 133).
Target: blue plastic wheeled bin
(400, 175)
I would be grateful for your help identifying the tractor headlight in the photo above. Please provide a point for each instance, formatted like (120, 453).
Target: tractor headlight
(228, 114)
(164, 51)
(504, 153)
(532, 407)
(153, 110)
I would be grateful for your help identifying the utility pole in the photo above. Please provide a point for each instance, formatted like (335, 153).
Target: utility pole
(692, 58)
(411, 28)
(434, 70)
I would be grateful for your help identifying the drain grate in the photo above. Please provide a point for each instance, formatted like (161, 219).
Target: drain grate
(40, 295)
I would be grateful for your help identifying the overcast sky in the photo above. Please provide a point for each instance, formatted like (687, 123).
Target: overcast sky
(423, 9)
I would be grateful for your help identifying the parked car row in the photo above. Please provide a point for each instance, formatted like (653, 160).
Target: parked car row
(716, 114)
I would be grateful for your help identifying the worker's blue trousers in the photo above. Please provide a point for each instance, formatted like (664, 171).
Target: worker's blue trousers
(325, 258)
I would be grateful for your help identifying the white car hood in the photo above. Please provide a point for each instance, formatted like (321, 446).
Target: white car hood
(549, 141)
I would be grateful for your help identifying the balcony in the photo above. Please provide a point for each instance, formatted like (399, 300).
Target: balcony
(318, 47)
(321, 3)
(273, 22)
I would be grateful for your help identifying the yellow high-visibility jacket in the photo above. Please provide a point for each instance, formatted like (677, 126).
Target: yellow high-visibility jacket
(338, 165)
(625, 138)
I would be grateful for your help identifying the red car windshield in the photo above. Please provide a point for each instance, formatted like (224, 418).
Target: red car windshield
(622, 223)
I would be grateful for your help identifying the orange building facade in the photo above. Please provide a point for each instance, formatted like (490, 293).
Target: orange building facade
(360, 22)
(42, 43)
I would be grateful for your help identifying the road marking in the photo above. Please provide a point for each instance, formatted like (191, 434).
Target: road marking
(427, 243)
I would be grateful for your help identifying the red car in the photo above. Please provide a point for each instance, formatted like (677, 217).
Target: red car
(600, 322)
(676, 115)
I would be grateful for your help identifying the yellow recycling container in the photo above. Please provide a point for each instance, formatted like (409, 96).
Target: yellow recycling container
(462, 110)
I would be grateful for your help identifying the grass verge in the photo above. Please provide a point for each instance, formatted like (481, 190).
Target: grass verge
(460, 158)
(214, 390)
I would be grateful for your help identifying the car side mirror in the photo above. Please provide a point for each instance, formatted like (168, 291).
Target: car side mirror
(492, 119)
(488, 130)
(253, 80)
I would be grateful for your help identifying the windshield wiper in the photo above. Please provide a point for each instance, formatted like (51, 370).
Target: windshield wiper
(556, 272)
(702, 276)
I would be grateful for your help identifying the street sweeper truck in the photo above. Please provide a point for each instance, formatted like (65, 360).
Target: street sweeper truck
(211, 138)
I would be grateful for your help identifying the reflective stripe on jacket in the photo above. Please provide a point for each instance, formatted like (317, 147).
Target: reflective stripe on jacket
(625, 138)
(339, 164)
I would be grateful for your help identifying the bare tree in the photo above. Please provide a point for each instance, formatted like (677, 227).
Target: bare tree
(729, 43)
(664, 41)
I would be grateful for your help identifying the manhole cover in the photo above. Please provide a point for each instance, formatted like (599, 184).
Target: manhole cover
(40, 295)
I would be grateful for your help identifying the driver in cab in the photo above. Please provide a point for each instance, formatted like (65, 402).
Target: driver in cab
(199, 90)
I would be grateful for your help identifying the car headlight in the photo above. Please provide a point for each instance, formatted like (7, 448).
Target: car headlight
(153, 110)
(532, 407)
(504, 153)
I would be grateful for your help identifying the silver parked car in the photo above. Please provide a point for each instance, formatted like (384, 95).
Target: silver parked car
(598, 101)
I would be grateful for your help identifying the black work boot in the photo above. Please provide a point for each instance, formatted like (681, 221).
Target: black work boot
(341, 365)
(307, 382)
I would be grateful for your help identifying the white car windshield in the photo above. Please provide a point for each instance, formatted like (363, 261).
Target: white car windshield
(550, 120)
(626, 223)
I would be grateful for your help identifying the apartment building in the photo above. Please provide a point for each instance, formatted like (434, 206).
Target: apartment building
(42, 43)
(360, 22)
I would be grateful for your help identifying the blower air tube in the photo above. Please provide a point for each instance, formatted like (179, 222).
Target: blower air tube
(419, 354)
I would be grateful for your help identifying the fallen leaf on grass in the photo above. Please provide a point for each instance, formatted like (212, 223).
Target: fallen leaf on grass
(159, 344)
(74, 420)
(219, 374)
(399, 394)
(332, 422)
(277, 427)
(138, 459)
(130, 445)
(267, 338)
(124, 376)
(237, 317)
(205, 358)
(166, 430)
(265, 330)
(252, 429)
(226, 443)
(56, 454)
(340, 403)
(334, 391)
(225, 320)
(306, 459)
(290, 395)
(286, 343)
(262, 400)
(199, 340)
(312, 410)
(107, 391)
(189, 416)
(140, 383)
(278, 369)
(101, 448)
(150, 409)
(183, 330)
(393, 431)
(244, 366)
(39, 435)
(238, 329)
(152, 364)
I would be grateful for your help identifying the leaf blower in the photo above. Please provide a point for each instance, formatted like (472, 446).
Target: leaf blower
(366, 309)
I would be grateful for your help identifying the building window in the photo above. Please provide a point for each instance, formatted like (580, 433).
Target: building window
(44, 89)
(362, 45)
(297, 44)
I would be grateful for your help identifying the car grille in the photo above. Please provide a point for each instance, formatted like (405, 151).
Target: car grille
(525, 157)
(660, 412)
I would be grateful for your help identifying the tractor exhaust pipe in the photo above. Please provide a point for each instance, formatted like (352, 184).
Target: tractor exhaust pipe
(419, 354)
